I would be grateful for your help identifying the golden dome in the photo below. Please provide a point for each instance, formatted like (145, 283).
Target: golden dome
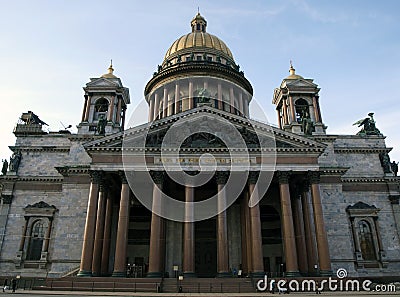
(110, 73)
(199, 40)
(293, 74)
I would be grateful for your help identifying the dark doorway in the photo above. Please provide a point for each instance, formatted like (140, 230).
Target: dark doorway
(206, 248)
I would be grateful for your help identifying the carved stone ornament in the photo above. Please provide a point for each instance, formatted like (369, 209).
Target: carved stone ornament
(314, 177)
(283, 177)
(253, 177)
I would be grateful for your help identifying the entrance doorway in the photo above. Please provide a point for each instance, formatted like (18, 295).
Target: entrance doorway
(206, 248)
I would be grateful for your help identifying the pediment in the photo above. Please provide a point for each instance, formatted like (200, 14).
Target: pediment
(361, 205)
(191, 123)
(102, 82)
(299, 83)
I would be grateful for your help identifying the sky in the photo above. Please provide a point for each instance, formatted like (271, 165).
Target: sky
(50, 49)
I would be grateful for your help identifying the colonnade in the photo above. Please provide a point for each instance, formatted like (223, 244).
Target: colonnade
(297, 229)
(179, 96)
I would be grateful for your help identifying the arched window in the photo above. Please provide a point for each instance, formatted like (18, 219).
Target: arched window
(368, 249)
(100, 108)
(366, 241)
(38, 232)
(302, 109)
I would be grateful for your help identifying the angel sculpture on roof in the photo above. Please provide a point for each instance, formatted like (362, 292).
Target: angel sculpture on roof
(369, 127)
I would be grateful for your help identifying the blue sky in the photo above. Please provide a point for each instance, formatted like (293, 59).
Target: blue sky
(50, 49)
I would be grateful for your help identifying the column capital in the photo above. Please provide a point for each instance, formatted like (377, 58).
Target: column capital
(123, 177)
(283, 177)
(313, 177)
(96, 176)
(157, 176)
(221, 177)
(253, 177)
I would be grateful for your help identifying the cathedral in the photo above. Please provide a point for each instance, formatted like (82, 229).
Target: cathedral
(201, 190)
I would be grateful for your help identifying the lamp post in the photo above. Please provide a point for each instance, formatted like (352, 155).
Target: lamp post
(180, 278)
(316, 269)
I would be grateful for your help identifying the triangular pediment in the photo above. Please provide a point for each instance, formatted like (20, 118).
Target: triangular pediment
(299, 83)
(255, 134)
(102, 82)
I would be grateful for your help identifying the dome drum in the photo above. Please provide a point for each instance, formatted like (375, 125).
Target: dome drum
(185, 93)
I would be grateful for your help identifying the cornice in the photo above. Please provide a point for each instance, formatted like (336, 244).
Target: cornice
(75, 170)
(361, 150)
(363, 180)
(333, 170)
(51, 179)
(202, 67)
(44, 148)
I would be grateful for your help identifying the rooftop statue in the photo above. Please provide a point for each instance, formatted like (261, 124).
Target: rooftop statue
(30, 118)
(369, 127)
(5, 166)
(395, 167)
(14, 161)
(385, 162)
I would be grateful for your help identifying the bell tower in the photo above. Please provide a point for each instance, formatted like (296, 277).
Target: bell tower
(105, 104)
(297, 105)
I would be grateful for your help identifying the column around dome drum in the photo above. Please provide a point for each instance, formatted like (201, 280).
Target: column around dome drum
(151, 108)
(156, 106)
(190, 94)
(165, 103)
(177, 98)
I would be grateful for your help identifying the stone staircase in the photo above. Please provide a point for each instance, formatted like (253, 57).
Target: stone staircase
(105, 284)
(208, 285)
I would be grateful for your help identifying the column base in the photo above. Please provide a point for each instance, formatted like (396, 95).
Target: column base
(257, 274)
(189, 274)
(118, 274)
(224, 274)
(155, 274)
(325, 273)
(292, 274)
(83, 273)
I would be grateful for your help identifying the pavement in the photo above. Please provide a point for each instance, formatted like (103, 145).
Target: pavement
(38, 293)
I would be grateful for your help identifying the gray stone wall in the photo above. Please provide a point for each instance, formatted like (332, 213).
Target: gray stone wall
(67, 235)
(40, 155)
(361, 164)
